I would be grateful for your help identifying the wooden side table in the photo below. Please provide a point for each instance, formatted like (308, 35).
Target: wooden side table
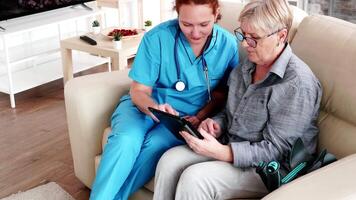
(104, 47)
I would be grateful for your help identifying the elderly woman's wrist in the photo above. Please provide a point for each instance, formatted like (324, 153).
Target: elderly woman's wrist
(227, 154)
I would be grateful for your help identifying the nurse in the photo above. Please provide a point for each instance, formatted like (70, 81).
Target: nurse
(180, 68)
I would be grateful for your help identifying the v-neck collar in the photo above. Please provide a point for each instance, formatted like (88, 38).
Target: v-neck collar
(189, 51)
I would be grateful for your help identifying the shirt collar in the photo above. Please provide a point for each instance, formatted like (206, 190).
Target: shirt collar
(213, 44)
(279, 66)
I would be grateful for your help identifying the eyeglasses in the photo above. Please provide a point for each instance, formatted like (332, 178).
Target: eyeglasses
(252, 42)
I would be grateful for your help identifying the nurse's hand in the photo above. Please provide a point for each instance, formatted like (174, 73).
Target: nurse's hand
(211, 127)
(167, 108)
(208, 146)
(164, 108)
(194, 120)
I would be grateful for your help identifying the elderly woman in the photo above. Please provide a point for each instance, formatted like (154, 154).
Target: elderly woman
(273, 99)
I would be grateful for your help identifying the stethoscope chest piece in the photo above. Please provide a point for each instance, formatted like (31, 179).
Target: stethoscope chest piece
(180, 86)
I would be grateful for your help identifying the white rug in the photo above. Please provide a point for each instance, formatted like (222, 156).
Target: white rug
(49, 191)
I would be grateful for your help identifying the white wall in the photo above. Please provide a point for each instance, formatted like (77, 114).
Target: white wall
(151, 11)
(167, 11)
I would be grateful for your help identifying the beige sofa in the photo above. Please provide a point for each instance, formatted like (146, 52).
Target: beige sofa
(326, 44)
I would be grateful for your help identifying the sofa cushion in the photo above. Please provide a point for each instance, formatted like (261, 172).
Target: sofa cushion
(298, 16)
(106, 133)
(328, 46)
(335, 181)
(230, 12)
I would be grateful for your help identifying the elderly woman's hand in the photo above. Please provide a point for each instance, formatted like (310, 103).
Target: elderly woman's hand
(211, 127)
(208, 146)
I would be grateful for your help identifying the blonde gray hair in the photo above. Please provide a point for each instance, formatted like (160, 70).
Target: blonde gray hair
(267, 15)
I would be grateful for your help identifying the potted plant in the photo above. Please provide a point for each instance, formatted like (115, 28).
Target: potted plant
(117, 40)
(96, 26)
(148, 25)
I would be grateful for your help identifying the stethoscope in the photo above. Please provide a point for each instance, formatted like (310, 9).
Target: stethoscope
(180, 85)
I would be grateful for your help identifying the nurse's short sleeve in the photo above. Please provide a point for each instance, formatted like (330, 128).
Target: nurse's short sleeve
(145, 68)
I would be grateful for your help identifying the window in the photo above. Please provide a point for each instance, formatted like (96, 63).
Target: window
(343, 9)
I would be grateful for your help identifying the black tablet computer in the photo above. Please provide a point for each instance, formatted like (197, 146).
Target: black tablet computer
(175, 123)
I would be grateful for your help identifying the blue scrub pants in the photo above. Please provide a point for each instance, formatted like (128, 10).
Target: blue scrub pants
(130, 157)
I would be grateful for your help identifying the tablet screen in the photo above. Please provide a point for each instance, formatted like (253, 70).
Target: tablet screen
(175, 123)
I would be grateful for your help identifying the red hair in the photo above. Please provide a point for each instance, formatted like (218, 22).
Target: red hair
(214, 4)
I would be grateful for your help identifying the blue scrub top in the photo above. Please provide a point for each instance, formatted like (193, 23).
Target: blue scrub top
(154, 66)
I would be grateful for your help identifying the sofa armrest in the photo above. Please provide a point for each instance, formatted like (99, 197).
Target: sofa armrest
(334, 181)
(90, 101)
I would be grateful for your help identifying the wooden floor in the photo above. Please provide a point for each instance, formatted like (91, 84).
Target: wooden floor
(34, 142)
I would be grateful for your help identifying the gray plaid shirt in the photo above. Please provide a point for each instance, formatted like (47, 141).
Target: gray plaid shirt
(261, 121)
